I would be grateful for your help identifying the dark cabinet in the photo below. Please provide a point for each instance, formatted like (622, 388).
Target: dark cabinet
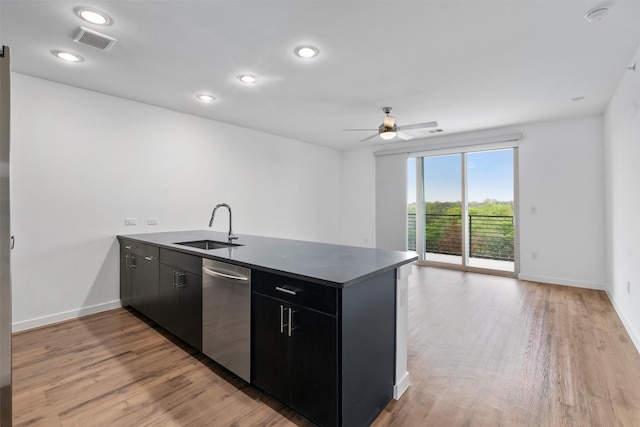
(165, 286)
(180, 296)
(126, 249)
(139, 277)
(295, 357)
(326, 352)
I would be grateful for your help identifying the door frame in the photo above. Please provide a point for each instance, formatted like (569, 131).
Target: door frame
(463, 151)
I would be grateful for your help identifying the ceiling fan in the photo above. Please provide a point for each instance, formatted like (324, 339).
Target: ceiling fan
(389, 129)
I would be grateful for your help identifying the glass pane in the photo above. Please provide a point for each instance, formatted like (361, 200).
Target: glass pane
(443, 207)
(490, 205)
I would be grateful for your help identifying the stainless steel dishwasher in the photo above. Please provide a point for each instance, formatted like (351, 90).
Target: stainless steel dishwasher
(226, 316)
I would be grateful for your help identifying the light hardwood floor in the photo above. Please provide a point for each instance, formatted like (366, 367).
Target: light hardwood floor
(483, 351)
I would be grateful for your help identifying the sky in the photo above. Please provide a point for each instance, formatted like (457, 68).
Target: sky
(489, 176)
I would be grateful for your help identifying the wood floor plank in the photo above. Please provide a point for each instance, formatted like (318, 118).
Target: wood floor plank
(483, 351)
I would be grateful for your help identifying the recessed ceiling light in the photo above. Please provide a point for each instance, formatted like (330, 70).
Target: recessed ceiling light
(94, 16)
(306, 51)
(597, 14)
(247, 78)
(67, 56)
(206, 98)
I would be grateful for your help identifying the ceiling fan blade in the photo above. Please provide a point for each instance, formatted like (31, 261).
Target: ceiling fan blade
(404, 136)
(389, 121)
(369, 137)
(419, 126)
(368, 130)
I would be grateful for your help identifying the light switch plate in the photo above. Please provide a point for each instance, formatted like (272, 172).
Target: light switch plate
(129, 221)
(152, 221)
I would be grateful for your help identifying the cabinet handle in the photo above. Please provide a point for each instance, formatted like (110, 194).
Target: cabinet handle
(132, 261)
(282, 325)
(211, 272)
(281, 319)
(151, 258)
(286, 291)
(178, 279)
(129, 247)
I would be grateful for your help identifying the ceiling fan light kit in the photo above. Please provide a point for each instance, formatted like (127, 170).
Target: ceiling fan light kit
(388, 130)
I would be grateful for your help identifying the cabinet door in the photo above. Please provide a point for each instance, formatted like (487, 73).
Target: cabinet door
(144, 285)
(168, 316)
(314, 365)
(180, 304)
(297, 365)
(190, 310)
(125, 277)
(270, 347)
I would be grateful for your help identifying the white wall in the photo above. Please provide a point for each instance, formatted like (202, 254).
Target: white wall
(391, 202)
(561, 174)
(83, 161)
(358, 197)
(562, 177)
(622, 176)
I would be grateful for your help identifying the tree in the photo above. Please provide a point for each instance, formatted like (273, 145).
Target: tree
(490, 226)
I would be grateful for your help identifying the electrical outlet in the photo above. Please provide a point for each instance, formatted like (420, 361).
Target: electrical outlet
(534, 210)
(152, 221)
(129, 221)
(534, 255)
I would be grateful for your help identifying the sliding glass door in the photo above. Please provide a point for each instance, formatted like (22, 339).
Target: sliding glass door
(490, 213)
(463, 211)
(442, 189)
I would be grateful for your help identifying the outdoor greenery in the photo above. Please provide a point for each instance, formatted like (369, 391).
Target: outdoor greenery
(490, 228)
(488, 207)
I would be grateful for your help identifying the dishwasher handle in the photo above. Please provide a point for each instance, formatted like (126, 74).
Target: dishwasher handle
(215, 273)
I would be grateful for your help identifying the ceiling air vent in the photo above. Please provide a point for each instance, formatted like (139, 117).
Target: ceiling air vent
(93, 38)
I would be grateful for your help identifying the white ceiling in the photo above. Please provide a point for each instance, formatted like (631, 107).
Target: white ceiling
(469, 65)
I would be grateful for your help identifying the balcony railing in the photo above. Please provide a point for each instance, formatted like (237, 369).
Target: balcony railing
(490, 236)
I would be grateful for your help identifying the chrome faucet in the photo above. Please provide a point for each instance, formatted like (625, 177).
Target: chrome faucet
(213, 214)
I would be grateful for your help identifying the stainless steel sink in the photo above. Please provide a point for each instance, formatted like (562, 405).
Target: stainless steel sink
(208, 245)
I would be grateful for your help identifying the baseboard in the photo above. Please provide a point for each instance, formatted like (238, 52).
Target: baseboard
(65, 315)
(635, 337)
(401, 386)
(565, 282)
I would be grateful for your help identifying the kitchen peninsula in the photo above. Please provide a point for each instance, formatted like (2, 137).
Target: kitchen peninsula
(327, 322)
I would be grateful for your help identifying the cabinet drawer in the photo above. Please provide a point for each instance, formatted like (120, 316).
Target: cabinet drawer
(140, 249)
(296, 291)
(186, 262)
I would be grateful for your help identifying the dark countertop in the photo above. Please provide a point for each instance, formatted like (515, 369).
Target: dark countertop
(334, 265)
